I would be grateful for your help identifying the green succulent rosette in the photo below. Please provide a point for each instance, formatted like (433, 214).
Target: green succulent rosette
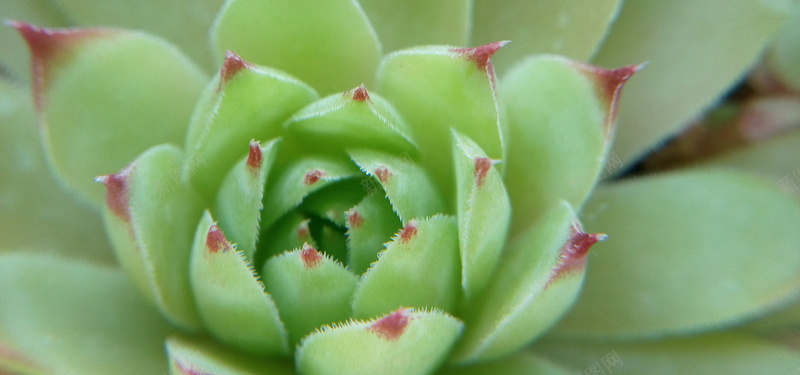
(351, 190)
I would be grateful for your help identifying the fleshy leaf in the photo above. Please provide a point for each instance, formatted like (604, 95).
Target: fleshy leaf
(310, 289)
(436, 88)
(484, 213)
(407, 185)
(520, 363)
(152, 16)
(238, 205)
(535, 283)
(726, 353)
(243, 102)
(231, 299)
(39, 12)
(560, 120)
(78, 318)
(405, 24)
(783, 57)
(87, 108)
(370, 224)
(303, 38)
(36, 212)
(299, 179)
(419, 268)
(355, 119)
(686, 73)
(403, 342)
(196, 356)
(150, 222)
(570, 28)
(686, 263)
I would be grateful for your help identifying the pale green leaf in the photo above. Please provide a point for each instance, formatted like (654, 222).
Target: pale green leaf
(198, 356)
(695, 49)
(94, 120)
(571, 28)
(419, 268)
(231, 300)
(310, 289)
(484, 213)
(77, 318)
(15, 60)
(405, 24)
(520, 363)
(305, 38)
(404, 342)
(370, 224)
(689, 252)
(238, 204)
(783, 57)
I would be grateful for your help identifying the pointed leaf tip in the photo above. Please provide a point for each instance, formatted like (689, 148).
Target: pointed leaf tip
(216, 240)
(255, 157)
(409, 231)
(358, 94)
(482, 166)
(610, 83)
(481, 55)
(573, 253)
(354, 218)
(310, 256)
(392, 326)
(313, 176)
(383, 174)
(233, 64)
(45, 46)
(117, 192)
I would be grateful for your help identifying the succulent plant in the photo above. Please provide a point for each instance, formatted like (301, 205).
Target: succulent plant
(343, 187)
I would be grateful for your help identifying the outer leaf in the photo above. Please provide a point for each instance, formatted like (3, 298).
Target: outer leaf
(76, 318)
(686, 73)
(196, 356)
(243, 102)
(310, 289)
(153, 16)
(686, 262)
(231, 299)
(436, 88)
(40, 12)
(36, 212)
(150, 224)
(303, 38)
(419, 268)
(571, 28)
(87, 108)
(238, 205)
(407, 185)
(355, 119)
(712, 354)
(403, 342)
(535, 283)
(405, 24)
(560, 116)
(484, 213)
(370, 224)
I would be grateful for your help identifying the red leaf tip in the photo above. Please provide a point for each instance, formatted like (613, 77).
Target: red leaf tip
(358, 94)
(482, 166)
(310, 256)
(392, 326)
(313, 176)
(610, 83)
(255, 157)
(409, 231)
(117, 192)
(216, 241)
(573, 253)
(354, 218)
(481, 55)
(233, 64)
(383, 174)
(302, 230)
